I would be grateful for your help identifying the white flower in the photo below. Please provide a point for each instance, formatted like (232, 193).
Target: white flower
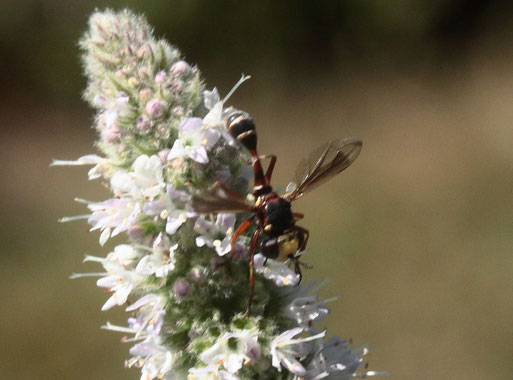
(171, 207)
(161, 261)
(210, 232)
(215, 105)
(210, 372)
(307, 308)
(151, 314)
(117, 214)
(144, 182)
(194, 140)
(113, 109)
(335, 359)
(157, 361)
(275, 271)
(119, 279)
(285, 350)
(232, 349)
(103, 166)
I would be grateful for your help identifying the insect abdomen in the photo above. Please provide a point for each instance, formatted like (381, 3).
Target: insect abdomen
(241, 127)
(282, 247)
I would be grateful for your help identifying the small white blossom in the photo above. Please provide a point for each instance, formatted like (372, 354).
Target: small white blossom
(161, 261)
(174, 207)
(209, 232)
(144, 182)
(335, 359)
(151, 314)
(286, 351)
(113, 109)
(119, 279)
(157, 361)
(232, 350)
(210, 372)
(307, 308)
(275, 271)
(112, 216)
(103, 167)
(194, 141)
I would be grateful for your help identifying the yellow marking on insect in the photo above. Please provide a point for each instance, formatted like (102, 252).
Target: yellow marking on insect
(287, 248)
(243, 135)
(237, 120)
(268, 227)
(258, 202)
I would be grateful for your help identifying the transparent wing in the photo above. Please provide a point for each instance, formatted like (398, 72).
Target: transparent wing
(324, 163)
(220, 199)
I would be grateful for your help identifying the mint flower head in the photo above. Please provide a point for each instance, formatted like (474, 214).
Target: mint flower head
(180, 274)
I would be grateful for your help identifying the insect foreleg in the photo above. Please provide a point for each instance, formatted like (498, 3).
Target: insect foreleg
(252, 248)
(239, 231)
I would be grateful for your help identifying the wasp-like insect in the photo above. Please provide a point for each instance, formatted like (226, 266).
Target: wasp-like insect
(275, 220)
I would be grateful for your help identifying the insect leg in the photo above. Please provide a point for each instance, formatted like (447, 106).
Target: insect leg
(297, 269)
(252, 248)
(298, 264)
(305, 232)
(297, 215)
(270, 168)
(242, 227)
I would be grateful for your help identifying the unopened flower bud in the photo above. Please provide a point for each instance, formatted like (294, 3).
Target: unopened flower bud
(177, 111)
(181, 288)
(155, 107)
(143, 124)
(197, 274)
(160, 77)
(145, 94)
(111, 134)
(177, 85)
(136, 233)
(163, 155)
(180, 68)
(217, 262)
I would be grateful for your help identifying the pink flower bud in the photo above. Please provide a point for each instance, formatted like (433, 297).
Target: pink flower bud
(136, 233)
(197, 275)
(111, 134)
(160, 77)
(181, 288)
(143, 124)
(145, 94)
(177, 111)
(155, 107)
(180, 68)
(163, 155)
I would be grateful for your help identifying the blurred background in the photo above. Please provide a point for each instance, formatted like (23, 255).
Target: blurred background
(416, 237)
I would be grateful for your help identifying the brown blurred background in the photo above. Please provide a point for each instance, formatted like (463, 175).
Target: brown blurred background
(416, 237)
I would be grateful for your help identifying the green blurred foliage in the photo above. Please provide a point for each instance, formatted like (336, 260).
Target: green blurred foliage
(415, 237)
